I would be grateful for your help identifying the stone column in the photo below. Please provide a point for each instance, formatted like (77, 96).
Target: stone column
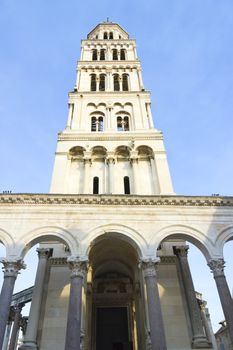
(110, 162)
(199, 338)
(30, 339)
(15, 329)
(217, 268)
(11, 270)
(208, 329)
(8, 329)
(87, 184)
(157, 333)
(73, 331)
(134, 162)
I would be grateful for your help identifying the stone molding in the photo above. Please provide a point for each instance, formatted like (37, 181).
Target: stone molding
(167, 260)
(11, 267)
(217, 267)
(104, 199)
(58, 261)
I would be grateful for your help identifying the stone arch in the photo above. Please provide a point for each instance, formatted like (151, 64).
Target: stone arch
(223, 237)
(76, 152)
(190, 234)
(145, 151)
(122, 151)
(125, 233)
(7, 240)
(98, 152)
(44, 233)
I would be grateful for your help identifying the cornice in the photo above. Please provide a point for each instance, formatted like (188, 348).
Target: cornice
(105, 200)
(72, 136)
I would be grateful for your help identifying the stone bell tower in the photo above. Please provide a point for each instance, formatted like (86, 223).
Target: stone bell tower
(110, 145)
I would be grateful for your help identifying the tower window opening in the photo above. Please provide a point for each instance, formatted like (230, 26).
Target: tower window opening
(125, 82)
(97, 36)
(95, 185)
(123, 123)
(102, 54)
(126, 123)
(111, 35)
(126, 185)
(119, 36)
(122, 54)
(105, 35)
(114, 55)
(93, 82)
(97, 123)
(102, 82)
(116, 82)
(94, 55)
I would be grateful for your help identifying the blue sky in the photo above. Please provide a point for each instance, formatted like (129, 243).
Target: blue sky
(186, 50)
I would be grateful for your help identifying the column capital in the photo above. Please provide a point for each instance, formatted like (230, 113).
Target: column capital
(43, 252)
(78, 266)
(181, 251)
(149, 266)
(11, 267)
(217, 266)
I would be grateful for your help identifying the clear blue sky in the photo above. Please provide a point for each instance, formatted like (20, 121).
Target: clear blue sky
(186, 50)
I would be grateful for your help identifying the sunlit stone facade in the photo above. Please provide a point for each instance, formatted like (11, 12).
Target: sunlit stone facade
(113, 270)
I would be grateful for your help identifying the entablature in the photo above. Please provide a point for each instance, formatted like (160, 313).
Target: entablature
(108, 199)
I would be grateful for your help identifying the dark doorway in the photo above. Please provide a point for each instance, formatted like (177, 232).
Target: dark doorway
(112, 331)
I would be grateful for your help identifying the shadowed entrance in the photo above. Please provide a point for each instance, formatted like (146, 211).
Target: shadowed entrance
(112, 328)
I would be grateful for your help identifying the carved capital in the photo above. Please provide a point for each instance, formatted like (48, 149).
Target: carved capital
(181, 251)
(12, 267)
(217, 267)
(43, 253)
(149, 266)
(110, 160)
(78, 266)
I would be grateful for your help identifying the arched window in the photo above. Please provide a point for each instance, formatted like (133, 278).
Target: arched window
(95, 185)
(122, 54)
(126, 185)
(123, 123)
(125, 82)
(105, 35)
(114, 55)
(94, 55)
(102, 54)
(116, 82)
(126, 123)
(97, 123)
(93, 82)
(96, 36)
(111, 35)
(102, 82)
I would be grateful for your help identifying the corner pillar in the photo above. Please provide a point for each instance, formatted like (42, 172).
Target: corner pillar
(11, 269)
(73, 331)
(157, 333)
(217, 268)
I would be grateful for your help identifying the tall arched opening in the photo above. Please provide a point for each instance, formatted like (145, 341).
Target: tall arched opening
(114, 312)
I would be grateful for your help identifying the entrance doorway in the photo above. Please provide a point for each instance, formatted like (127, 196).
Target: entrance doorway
(112, 331)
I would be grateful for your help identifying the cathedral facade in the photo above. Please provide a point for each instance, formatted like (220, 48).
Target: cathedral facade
(113, 270)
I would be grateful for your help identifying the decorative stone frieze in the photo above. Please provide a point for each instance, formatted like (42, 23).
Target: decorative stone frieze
(132, 200)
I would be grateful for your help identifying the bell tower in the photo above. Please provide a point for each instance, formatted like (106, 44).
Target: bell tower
(110, 145)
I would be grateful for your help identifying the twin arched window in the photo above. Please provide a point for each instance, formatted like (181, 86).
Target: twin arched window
(123, 123)
(125, 82)
(115, 54)
(95, 55)
(102, 82)
(97, 123)
(108, 35)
